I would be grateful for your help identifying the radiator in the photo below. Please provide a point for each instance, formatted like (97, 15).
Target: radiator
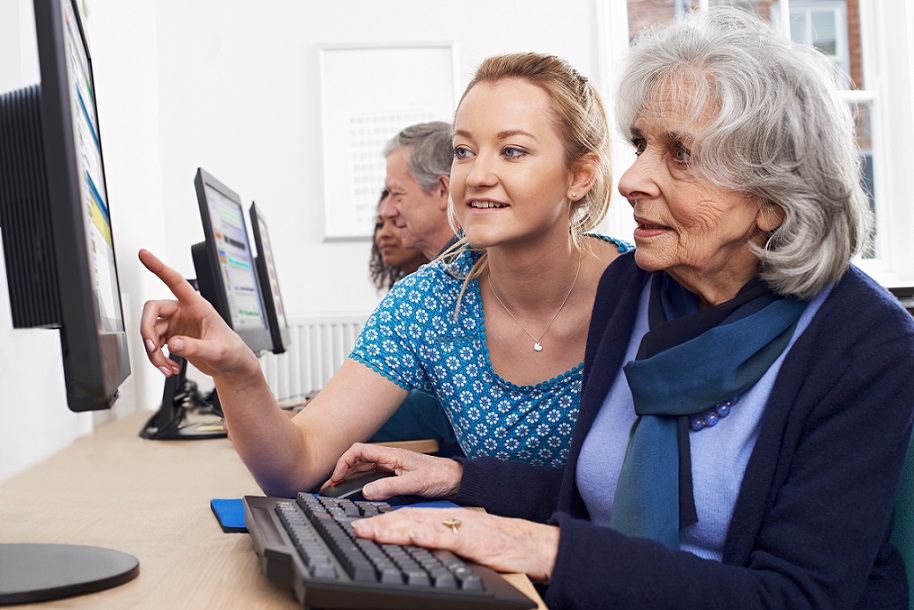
(318, 345)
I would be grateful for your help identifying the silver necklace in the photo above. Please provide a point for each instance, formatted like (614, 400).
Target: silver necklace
(537, 346)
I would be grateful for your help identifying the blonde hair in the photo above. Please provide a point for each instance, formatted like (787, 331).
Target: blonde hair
(580, 119)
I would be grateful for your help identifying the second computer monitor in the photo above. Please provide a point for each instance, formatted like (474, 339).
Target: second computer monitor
(269, 281)
(224, 263)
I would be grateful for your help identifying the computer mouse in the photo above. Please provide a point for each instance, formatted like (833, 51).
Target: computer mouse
(354, 484)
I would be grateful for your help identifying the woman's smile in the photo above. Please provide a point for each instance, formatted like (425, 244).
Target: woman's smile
(646, 229)
(485, 205)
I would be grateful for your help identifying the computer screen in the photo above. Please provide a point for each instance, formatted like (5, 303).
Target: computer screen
(224, 263)
(61, 267)
(57, 238)
(269, 281)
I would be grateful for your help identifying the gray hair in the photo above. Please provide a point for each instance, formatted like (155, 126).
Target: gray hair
(431, 154)
(779, 131)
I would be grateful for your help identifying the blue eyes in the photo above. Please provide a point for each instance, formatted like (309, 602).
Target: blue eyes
(512, 152)
(508, 152)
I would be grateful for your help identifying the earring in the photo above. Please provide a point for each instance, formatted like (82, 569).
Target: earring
(574, 195)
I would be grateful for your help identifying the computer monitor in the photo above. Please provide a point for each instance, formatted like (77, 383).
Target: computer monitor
(224, 264)
(265, 263)
(61, 269)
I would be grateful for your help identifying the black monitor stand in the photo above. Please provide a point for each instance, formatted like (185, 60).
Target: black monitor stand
(178, 398)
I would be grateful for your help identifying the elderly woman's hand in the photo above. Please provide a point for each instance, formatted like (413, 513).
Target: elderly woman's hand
(190, 327)
(506, 545)
(417, 473)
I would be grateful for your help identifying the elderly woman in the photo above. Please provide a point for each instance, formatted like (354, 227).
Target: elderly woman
(747, 401)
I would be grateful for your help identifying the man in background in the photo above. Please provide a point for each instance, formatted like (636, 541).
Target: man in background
(418, 178)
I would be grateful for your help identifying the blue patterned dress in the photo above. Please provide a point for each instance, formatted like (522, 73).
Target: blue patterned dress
(413, 340)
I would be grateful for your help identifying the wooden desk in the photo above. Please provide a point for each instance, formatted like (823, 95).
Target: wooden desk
(150, 499)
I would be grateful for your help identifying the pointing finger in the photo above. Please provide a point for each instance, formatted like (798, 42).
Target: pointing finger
(171, 278)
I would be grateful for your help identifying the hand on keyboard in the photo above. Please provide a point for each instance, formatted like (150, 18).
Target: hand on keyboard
(417, 473)
(310, 544)
(504, 544)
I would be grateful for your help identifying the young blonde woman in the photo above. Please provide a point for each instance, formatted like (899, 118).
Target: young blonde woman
(496, 332)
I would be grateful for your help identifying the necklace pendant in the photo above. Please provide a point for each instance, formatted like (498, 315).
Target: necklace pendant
(537, 347)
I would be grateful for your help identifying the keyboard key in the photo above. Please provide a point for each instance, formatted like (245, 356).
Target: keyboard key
(391, 575)
(324, 571)
(471, 582)
(417, 577)
(445, 580)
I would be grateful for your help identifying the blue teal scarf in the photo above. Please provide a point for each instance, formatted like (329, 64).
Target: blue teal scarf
(689, 361)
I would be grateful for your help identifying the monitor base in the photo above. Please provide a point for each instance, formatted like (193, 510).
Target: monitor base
(185, 432)
(179, 396)
(42, 572)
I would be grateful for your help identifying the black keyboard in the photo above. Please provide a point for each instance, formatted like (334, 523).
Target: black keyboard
(308, 544)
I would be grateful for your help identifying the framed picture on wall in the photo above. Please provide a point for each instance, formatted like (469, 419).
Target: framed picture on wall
(368, 94)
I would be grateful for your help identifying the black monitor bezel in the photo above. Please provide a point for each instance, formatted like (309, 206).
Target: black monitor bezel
(90, 385)
(58, 281)
(206, 263)
(279, 329)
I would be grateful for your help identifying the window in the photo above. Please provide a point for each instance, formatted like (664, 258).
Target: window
(823, 25)
(833, 27)
(871, 44)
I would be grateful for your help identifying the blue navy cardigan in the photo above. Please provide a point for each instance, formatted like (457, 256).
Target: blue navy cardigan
(811, 523)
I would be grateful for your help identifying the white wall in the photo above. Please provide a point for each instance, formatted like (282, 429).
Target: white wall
(233, 86)
(238, 92)
(240, 97)
(32, 422)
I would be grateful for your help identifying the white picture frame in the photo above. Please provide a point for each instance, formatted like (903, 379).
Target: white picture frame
(368, 94)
